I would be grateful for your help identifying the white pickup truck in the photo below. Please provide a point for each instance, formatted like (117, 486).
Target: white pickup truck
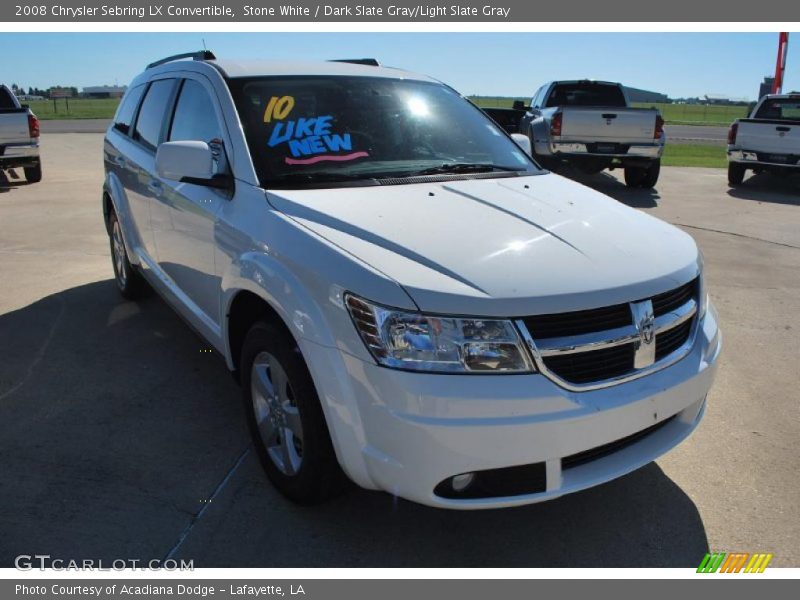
(590, 125)
(767, 141)
(19, 137)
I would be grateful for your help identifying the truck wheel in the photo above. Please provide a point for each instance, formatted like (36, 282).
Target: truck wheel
(651, 174)
(129, 281)
(735, 173)
(633, 176)
(590, 167)
(33, 174)
(546, 162)
(285, 417)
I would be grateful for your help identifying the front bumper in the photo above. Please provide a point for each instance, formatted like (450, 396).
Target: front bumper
(411, 431)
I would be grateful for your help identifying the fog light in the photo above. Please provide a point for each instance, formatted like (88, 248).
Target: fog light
(462, 482)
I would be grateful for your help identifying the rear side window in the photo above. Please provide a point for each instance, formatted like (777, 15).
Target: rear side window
(586, 94)
(127, 108)
(195, 118)
(6, 101)
(150, 121)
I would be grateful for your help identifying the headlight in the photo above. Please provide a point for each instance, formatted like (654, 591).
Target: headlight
(702, 293)
(418, 342)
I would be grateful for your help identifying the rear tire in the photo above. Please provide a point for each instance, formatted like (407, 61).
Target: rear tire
(285, 417)
(129, 281)
(735, 173)
(33, 174)
(633, 176)
(643, 177)
(651, 174)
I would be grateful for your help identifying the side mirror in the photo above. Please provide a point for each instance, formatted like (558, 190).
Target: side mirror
(189, 162)
(523, 141)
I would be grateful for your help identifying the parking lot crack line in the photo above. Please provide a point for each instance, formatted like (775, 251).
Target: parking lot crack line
(39, 354)
(741, 235)
(196, 518)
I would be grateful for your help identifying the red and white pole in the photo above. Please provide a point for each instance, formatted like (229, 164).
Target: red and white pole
(780, 65)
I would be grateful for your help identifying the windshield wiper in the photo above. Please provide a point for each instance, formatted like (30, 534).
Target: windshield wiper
(457, 168)
(311, 178)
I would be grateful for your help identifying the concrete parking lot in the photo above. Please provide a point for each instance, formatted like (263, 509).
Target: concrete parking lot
(121, 438)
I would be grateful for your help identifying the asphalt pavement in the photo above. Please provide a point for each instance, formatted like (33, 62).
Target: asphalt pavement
(121, 438)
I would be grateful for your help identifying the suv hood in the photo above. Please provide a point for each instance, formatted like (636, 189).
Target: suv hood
(499, 247)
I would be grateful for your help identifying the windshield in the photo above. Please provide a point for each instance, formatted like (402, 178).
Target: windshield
(314, 131)
(780, 109)
(586, 94)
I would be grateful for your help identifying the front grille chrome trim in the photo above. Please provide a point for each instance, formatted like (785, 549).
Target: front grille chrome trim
(610, 338)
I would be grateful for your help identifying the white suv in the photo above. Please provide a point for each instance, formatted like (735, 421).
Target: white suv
(404, 295)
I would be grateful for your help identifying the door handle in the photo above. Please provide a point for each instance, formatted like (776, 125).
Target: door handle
(120, 160)
(783, 129)
(155, 187)
(609, 116)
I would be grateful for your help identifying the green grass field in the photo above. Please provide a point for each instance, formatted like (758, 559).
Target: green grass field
(675, 114)
(675, 155)
(79, 108)
(688, 114)
(698, 114)
(694, 155)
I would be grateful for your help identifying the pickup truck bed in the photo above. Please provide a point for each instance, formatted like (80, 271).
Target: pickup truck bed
(766, 144)
(589, 125)
(19, 137)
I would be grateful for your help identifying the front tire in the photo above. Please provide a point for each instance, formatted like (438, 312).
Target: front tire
(129, 281)
(285, 417)
(735, 173)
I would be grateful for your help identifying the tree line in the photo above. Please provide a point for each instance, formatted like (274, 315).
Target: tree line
(19, 90)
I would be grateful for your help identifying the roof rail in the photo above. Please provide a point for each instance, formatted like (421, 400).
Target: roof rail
(369, 62)
(198, 55)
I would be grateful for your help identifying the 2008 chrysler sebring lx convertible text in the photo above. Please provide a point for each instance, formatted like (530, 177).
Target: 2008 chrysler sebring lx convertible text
(404, 295)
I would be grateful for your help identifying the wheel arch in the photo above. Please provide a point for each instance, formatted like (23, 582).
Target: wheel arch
(258, 286)
(113, 200)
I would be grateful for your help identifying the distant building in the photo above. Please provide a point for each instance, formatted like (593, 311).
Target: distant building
(637, 95)
(765, 87)
(29, 97)
(104, 91)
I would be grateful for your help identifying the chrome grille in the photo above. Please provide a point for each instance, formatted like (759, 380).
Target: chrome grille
(584, 367)
(596, 348)
(663, 303)
(579, 322)
(669, 341)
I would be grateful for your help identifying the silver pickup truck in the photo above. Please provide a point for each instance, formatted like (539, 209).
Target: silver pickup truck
(590, 125)
(19, 137)
(769, 140)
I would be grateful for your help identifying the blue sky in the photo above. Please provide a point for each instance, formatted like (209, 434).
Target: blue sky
(503, 64)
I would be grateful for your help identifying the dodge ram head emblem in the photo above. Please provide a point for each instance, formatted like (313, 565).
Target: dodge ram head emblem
(645, 322)
(647, 329)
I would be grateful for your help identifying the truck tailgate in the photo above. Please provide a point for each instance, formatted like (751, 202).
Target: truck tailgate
(14, 126)
(773, 137)
(624, 125)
